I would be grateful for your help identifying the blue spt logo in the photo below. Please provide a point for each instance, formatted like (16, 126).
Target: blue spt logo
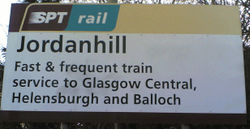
(93, 18)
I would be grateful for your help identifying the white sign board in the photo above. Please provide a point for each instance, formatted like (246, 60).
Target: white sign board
(124, 72)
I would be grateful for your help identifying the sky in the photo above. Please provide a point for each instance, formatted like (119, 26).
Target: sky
(4, 22)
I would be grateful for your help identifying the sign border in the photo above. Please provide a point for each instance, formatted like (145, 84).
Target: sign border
(179, 118)
(126, 117)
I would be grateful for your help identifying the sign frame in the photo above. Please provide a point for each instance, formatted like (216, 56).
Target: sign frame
(179, 118)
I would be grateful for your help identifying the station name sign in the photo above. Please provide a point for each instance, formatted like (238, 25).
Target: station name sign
(124, 58)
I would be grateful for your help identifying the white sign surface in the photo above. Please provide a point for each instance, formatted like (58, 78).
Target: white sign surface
(101, 72)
